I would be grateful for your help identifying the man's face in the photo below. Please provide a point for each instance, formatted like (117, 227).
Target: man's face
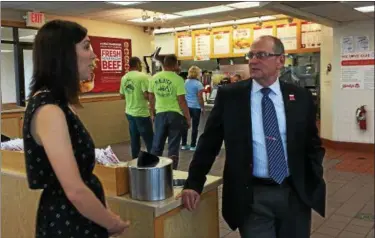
(263, 64)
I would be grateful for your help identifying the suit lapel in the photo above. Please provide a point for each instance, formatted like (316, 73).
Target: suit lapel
(290, 106)
(246, 112)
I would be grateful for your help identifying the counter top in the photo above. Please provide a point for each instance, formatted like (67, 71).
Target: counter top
(7, 108)
(164, 206)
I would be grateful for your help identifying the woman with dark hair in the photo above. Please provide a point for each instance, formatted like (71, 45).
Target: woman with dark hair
(59, 152)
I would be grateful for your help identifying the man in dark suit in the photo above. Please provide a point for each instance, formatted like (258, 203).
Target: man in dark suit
(273, 174)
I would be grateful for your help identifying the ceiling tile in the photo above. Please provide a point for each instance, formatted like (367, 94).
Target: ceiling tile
(337, 12)
(171, 7)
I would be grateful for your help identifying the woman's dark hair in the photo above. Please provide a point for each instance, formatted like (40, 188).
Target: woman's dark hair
(55, 60)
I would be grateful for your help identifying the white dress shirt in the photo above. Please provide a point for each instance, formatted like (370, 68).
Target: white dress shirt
(260, 158)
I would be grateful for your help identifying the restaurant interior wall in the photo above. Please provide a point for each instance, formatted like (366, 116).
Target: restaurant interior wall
(339, 106)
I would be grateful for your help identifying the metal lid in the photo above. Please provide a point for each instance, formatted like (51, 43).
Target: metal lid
(163, 162)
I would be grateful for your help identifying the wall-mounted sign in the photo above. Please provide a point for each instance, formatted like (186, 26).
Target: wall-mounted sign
(221, 42)
(35, 19)
(184, 46)
(241, 40)
(113, 55)
(202, 46)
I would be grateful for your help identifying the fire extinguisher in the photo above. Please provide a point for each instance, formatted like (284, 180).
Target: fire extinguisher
(360, 114)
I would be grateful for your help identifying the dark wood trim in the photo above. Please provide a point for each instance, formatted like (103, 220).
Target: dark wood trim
(18, 24)
(8, 23)
(340, 145)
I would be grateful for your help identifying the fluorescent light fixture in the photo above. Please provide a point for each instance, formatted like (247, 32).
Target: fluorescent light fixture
(365, 9)
(151, 19)
(124, 3)
(222, 23)
(200, 26)
(215, 24)
(183, 28)
(163, 30)
(243, 5)
(6, 51)
(204, 11)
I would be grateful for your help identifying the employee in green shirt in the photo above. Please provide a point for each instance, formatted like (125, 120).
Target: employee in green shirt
(168, 104)
(134, 89)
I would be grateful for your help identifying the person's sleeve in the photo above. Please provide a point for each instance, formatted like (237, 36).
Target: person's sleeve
(180, 87)
(208, 147)
(200, 86)
(121, 88)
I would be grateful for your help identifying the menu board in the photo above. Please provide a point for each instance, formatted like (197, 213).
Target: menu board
(311, 35)
(166, 42)
(184, 46)
(287, 33)
(241, 40)
(221, 42)
(202, 46)
(266, 31)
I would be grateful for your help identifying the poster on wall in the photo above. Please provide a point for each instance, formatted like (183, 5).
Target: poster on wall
(221, 42)
(241, 41)
(357, 71)
(311, 35)
(265, 31)
(287, 33)
(113, 57)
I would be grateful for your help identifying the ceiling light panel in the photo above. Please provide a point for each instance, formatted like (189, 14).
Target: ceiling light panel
(365, 9)
(204, 11)
(243, 5)
(125, 3)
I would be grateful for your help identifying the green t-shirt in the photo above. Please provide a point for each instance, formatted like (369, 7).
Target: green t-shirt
(166, 86)
(133, 85)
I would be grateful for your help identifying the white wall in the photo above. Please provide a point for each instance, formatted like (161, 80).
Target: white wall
(141, 46)
(341, 113)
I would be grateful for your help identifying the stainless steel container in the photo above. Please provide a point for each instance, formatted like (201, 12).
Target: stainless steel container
(151, 183)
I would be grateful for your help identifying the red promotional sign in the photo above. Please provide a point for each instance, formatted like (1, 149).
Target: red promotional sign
(113, 62)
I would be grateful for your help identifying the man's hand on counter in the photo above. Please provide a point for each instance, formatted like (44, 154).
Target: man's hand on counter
(190, 199)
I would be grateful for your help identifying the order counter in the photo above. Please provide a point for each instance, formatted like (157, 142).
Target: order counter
(103, 116)
(162, 219)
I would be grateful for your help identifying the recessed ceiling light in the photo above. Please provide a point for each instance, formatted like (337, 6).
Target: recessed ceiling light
(365, 9)
(243, 5)
(124, 3)
(204, 11)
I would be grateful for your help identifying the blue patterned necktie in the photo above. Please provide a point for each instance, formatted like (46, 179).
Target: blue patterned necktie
(278, 169)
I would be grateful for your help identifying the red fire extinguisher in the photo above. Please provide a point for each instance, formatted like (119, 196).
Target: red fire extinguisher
(361, 117)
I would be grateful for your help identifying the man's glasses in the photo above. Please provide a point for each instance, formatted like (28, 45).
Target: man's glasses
(260, 55)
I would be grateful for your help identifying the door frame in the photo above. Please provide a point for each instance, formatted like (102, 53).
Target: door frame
(20, 71)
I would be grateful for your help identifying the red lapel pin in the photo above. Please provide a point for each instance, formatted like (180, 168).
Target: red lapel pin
(291, 97)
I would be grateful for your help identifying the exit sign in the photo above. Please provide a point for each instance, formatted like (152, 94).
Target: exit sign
(35, 19)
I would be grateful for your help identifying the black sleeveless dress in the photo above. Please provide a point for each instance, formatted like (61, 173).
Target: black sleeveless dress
(56, 216)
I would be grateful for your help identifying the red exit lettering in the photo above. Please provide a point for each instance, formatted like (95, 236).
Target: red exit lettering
(36, 17)
(111, 65)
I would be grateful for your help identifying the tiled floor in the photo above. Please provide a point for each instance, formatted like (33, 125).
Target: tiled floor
(350, 194)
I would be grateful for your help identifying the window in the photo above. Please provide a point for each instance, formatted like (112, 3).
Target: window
(8, 78)
(26, 35)
(6, 33)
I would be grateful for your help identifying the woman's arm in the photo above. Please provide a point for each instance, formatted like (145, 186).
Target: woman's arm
(49, 128)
